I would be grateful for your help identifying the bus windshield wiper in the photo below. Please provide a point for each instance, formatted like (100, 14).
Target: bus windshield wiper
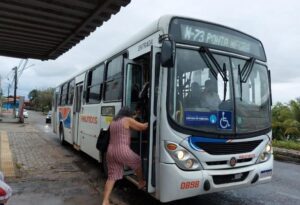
(246, 70)
(244, 73)
(203, 50)
(208, 64)
(225, 81)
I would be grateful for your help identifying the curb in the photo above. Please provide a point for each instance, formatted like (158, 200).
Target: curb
(286, 155)
(6, 159)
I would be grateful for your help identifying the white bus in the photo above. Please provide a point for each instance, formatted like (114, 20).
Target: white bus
(193, 145)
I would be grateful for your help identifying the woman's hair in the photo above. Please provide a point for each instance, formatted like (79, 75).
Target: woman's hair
(123, 112)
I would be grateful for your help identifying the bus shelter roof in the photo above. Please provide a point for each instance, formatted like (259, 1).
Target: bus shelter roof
(45, 29)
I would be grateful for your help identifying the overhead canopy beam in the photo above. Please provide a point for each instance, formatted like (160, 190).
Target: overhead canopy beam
(45, 29)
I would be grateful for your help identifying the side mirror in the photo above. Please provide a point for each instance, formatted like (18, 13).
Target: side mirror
(270, 90)
(168, 54)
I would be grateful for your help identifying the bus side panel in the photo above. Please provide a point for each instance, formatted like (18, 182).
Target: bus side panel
(66, 118)
(89, 129)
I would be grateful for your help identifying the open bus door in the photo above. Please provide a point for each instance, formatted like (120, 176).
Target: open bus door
(133, 85)
(134, 81)
(144, 143)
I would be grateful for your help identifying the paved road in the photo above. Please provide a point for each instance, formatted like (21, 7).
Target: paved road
(284, 189)
(47, 173)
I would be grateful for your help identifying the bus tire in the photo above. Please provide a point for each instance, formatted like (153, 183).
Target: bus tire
(61, 135)
(104, 168)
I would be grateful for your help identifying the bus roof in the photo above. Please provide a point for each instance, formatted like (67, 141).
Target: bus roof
(161, 24)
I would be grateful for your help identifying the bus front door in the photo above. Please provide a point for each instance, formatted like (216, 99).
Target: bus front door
(133, 86)
(141, 88)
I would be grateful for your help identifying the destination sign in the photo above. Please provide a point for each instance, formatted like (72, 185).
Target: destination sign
(193, 33)
(190, 31)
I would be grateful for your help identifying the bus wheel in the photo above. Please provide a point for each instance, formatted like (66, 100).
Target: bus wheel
(61, 136)
(104, 168)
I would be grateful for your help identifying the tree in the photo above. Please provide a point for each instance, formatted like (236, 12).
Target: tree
(286, 120)
(41, 99)
(33, 95)
(295, 108)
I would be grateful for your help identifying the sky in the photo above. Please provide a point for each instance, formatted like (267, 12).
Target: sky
(275, 22)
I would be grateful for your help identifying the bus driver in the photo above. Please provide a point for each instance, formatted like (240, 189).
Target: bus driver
(210, 98)
(192, 100)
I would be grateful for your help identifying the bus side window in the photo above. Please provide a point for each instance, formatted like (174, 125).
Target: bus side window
(71, 92)
(64, 95)
(59, 95)
(94, 81)
(113, 82)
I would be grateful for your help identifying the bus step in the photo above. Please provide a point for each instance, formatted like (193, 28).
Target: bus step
(128, 172)
(132, 178)
(77, 147)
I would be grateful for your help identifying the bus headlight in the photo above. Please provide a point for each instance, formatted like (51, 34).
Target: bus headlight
(266, 154)
(182, 157)
(180, 154)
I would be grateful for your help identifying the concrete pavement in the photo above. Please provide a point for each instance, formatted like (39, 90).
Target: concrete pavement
(41, 172)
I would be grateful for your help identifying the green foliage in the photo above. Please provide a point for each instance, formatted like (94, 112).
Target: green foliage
(41, 99)
(286, 144)
(286, 120)
(295, 108)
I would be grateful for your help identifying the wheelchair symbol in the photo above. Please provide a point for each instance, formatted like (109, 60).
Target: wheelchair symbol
(224, 122)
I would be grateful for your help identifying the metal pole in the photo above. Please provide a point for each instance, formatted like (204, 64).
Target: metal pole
(15, 90)
(7, 96)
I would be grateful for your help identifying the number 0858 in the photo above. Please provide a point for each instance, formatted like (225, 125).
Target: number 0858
(190, 184)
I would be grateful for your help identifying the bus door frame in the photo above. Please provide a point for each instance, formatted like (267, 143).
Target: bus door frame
(127, 89)
(77, 111)
(54, 115)
(152, 156)
(153, 124)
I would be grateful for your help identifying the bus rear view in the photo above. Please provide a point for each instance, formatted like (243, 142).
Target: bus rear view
(216, 131)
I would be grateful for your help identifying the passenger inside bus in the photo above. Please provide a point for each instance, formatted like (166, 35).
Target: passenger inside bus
(210, 98)
(138, 112)
(193, 99)
(135, 93)
(144, 100)
(135, 135)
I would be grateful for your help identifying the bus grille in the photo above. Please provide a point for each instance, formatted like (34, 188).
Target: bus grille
(216, 163)
(228, 148)
(230, 178)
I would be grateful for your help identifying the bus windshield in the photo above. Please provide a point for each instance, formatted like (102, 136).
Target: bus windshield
(205, 98)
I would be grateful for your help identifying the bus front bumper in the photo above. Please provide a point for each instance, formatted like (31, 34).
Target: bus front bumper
(175, 183)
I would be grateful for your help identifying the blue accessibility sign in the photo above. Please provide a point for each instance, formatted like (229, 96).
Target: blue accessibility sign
(224, 119)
